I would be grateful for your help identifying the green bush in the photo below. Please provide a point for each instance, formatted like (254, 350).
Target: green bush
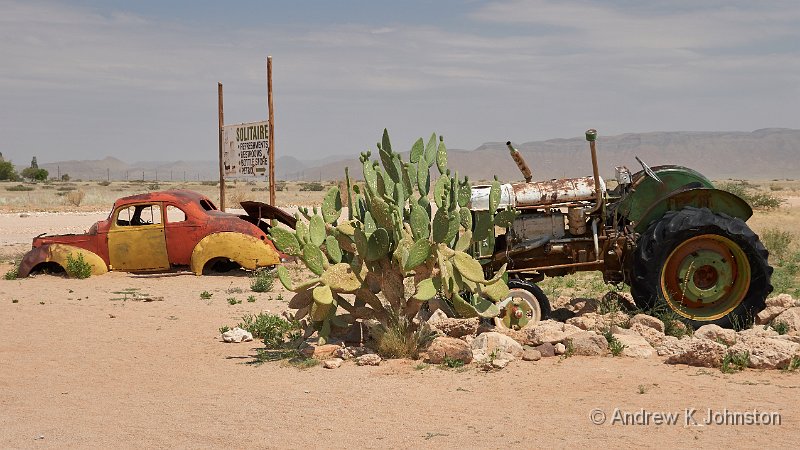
(78, 267)
(757, 199)
(735, 361)
(262, 280)
(13, 273)
(274, 330)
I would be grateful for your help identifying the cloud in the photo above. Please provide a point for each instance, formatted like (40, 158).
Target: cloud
(530, 69)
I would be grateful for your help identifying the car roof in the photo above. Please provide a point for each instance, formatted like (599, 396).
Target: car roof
(181, 196)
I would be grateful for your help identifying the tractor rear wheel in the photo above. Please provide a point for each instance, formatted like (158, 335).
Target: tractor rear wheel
(709, 268)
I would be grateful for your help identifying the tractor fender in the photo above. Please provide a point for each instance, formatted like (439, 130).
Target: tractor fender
(248, 251)
(718, 201)
(57, 253)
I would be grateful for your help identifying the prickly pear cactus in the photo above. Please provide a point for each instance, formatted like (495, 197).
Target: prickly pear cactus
(391, 252)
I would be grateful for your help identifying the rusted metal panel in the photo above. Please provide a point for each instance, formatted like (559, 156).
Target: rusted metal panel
(555, 191)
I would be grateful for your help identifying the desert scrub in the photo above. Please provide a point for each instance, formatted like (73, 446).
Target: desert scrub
(20, 188)
(752, 195)
(233, 301)
(205, 295)
(77, 267)
(75, 198)
(777, 242)
(262, 280)
(403, 339)
(274, 330)
(735, 361)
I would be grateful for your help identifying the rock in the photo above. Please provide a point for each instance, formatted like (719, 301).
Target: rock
(237, 335)
(452, 348)
(549, 331)
(500, 363)
(588, 343)
(648, 321)
(768, 314)
(716, 333)
(24, 215)
(784, 301)
(619, 330)
(651, 335)
(679, 328)
(669, 346)
(496, 342)
(767, 353)
(333, 363)
(370, 359)
(635, 346)
(531, 354)
(352, 352)
(437, 315)
(581, 306)
(757, 331)
(547, 350)
(789, 337)
(790, 317)
(698, 352)
(586, 322)
(598, 322)
(560, 348)
(324, 351)
(456, 327)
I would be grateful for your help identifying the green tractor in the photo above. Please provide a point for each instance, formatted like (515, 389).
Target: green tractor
(664, 231)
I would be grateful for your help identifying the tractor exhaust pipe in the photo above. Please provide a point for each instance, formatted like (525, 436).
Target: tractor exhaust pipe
(523, 167)
(591, 136)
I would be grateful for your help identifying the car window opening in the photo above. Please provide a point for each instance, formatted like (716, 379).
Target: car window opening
(139, 215)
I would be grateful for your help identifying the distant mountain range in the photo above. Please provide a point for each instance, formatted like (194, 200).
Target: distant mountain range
(762, 154)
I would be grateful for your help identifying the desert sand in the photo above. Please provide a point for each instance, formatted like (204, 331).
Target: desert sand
(82, 367)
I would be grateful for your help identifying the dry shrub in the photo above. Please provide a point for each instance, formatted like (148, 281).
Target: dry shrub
(234, 198)
(75, 197)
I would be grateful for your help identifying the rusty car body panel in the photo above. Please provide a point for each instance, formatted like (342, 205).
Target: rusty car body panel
(157, 232)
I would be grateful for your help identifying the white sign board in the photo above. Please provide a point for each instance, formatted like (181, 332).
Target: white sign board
(245, 149)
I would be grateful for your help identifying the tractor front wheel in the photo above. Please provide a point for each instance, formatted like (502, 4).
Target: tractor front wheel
(707, 267)
(525, 305)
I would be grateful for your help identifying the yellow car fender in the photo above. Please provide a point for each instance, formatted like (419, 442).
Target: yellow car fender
(247, 251)
(57, 253)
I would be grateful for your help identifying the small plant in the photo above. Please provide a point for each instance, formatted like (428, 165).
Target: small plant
(75, 198)
(251, 299)
(794, 364)
(224, 329)
(233, 301)
(78, 267)
(749, 193)
(104, 183)
(779, 327)
(735, 361)
(614, 345)
(13, 273)
(14, 301)
(205, 295)
(452, 363)
(274, 330)
(570, 349)
(421, 366)
(262, 281)
(235, 290)
(279, 297)
(642, 389)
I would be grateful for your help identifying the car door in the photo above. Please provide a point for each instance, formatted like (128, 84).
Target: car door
(182, 233)
(136, 240)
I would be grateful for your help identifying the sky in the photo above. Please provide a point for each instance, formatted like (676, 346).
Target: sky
(137, 80)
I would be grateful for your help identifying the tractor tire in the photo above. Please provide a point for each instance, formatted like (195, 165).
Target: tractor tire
(708, 268)
(533, 304)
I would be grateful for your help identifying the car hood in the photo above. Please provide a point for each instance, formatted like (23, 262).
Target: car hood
(259, 210)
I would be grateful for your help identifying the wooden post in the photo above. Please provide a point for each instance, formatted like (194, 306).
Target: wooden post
(221, 167)
(271, 134)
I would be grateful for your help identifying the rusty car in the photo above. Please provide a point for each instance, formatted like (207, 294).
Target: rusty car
(164, 231)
